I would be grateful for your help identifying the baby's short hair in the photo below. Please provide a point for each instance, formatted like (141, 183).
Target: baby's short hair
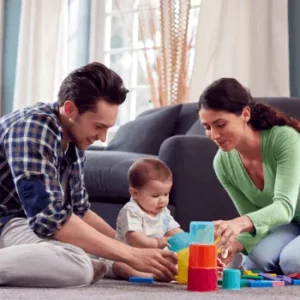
(147, 169)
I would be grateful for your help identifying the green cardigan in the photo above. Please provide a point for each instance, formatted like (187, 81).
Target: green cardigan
(278, 203)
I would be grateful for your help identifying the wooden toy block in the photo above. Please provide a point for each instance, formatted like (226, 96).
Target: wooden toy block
(286, 279)
(141, 280)
(294, 275)
(256, 270)
(260, 284)
(247, 272)
(272, 274)
(267, 276)
(252, 277)
(245, 282)
(296, 282)
(278, 283)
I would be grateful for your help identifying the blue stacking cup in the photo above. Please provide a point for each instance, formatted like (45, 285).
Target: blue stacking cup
(179, 241)
(231, 279)
(202, 232)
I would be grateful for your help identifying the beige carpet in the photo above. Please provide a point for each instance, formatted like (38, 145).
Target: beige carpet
(121, 290)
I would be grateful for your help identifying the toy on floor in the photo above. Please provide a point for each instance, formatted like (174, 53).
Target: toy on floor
(197, 264)
(231, 279)
(183, 262)
(141, 280)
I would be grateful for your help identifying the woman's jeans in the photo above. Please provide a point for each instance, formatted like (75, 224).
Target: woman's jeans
(278, 252)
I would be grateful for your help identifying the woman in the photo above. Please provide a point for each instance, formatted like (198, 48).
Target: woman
(258, 164)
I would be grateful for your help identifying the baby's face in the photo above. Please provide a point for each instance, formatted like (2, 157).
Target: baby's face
(154, 196)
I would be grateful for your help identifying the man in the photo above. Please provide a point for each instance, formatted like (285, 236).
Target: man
(48, 232)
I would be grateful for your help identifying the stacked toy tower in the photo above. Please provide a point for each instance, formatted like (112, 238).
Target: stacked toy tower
(202, 268)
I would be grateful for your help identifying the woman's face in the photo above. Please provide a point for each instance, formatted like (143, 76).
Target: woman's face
(225, 129)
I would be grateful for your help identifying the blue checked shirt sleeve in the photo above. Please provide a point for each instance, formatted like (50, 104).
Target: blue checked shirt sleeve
(78, 192)
(31, 147)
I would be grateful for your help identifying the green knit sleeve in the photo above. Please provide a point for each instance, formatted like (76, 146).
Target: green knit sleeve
(284, 144)
(242, 204)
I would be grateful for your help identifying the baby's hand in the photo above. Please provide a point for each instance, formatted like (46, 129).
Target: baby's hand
(163, 242)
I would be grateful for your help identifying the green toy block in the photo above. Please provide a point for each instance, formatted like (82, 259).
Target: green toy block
(244, 283)
(252, 277)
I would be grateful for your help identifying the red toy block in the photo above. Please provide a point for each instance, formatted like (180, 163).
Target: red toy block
(294, 275)
(278, 283)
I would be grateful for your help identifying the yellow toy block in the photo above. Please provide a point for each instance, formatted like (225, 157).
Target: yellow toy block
(247, 272)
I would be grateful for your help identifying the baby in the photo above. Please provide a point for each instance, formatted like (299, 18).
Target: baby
(145, 221)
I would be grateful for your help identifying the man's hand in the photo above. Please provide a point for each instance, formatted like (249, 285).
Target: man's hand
(229, 230)
(163, 242)
(227, 254)
(161, 263)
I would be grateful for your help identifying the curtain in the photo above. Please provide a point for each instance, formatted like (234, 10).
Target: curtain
(247, 40)
(40, 63)
(2, 9)
(53, 41)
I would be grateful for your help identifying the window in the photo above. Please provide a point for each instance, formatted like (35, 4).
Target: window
(124, 48)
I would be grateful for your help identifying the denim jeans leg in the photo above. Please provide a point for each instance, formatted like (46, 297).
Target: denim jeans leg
(266, 255)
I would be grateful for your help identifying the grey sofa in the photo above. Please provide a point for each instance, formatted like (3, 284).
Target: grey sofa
(174, 135)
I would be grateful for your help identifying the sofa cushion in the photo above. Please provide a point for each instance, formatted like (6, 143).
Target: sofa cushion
(105, 175)
(196, 129)
(146, 133)
(187, 117)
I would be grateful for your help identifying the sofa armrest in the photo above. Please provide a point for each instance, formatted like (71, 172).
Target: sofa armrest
(196, 193)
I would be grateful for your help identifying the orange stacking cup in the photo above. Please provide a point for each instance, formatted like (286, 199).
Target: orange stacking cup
(203, 256)
(202, 280)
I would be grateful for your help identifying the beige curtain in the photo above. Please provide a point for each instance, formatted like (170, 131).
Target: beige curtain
(42, 54)
(168, 76)
(247, 40)
(2, 8)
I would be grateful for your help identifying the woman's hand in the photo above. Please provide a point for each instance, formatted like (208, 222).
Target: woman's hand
(228, 254)
(220, 267)
(229, 230)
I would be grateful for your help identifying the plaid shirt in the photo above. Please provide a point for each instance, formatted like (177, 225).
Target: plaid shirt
(32, 160)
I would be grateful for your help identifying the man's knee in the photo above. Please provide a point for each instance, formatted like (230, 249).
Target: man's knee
(80, 271)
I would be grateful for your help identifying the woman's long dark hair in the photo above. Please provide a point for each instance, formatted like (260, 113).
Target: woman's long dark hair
(227, 94)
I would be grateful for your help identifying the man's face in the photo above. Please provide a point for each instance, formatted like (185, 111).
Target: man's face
(91, 126)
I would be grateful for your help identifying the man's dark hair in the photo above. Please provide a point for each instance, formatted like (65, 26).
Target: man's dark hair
(86, 85)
